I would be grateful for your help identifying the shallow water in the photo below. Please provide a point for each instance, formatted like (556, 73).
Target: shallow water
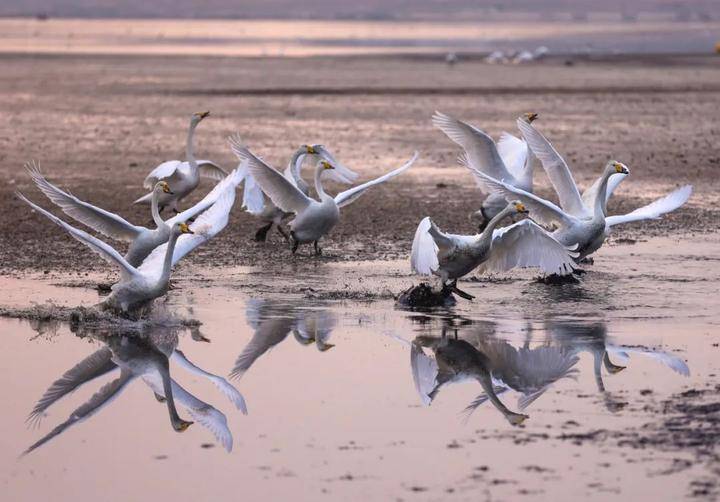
(335, 410)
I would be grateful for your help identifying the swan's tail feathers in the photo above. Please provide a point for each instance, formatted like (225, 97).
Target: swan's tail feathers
(423, 258)
(145, 199)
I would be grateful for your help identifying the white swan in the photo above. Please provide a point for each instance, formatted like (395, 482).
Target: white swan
(510, 159)
(313, 219)
(183, 177)
(581, 226)
(142, 240)
(524, 244)
(265, 210)
(138, 287)
(594, 200)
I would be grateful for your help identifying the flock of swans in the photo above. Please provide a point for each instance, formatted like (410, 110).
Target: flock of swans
(553, 238)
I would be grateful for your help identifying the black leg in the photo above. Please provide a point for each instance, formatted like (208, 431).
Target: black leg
(261, 234)
(318, 250)
(295, 242)
(283, 233)
(462, 294)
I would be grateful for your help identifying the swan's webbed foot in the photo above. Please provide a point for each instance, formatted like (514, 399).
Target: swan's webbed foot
(318, 249)
(579, 272)
(588, 260)
(462, 294)
(516, 418)
(104, 288)
(181, 425)
(283, 233)
(261, 234)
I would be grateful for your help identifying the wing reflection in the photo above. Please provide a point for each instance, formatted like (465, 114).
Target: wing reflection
(143, 355)
(273, 321)
(474, 352)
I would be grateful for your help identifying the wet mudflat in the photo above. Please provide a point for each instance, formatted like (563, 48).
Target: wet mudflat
(617, 375)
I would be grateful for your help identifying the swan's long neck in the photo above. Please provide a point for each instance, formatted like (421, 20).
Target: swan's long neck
(155, 210)
(167, 264)
(487, 234)
(189, 145)
(599, 209)
(318, 182)
(296, 163)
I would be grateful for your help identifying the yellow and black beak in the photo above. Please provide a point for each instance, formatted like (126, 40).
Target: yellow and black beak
(620, 169)
(520, 208)
(184, 228)
(202, 115)
(166, 188)
(327, 165)
(530, 116)
(310, 149)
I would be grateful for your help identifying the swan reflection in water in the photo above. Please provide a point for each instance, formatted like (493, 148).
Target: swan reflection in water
(475, 353)
(143, 354)
(272, 322)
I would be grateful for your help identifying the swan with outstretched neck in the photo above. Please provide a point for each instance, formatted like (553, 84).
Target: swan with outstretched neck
(523, 244)
(142, 240)
(183, 177)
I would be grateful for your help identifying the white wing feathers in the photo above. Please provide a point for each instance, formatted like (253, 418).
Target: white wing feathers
(557, 171)
(164, 170)
(104, 250)
(479, 148)
(282, 192)
(351, 195)
(543, 211)
(211, 170)
(654, 210)
(423, 259)
(105, 222)
(525, 245)
(514, 153)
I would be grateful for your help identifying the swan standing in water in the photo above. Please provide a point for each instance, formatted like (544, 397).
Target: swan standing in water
(142, 240)
(523, 244)
(591, 207)
(265, 210)
(510, 159)
(183, 177)
(139, 286)
(141, 356)
(313, 219)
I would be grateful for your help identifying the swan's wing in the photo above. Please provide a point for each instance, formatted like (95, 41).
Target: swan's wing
(482, 398)
(253, 196)
(480, 149)
(341, 173)
(101, 398)
(351, 195)
(269, 332)
(514, 153)
(556, 169)
(673, 362)
(105, 222)
(424, 372)
(525, 244)
(233, 180)
(654, 210)
(541, 210)
(423, 258)
(209, 169)
(96, 364)
(104, 250)
(227, 389)
(282, 192)
(205, 227)
(161, 172)
(203, 413)
(590, 194)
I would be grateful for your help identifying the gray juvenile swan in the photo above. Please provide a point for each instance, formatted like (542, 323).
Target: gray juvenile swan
(523, 244)
(183, 177)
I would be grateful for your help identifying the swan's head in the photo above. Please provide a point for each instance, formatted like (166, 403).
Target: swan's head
(618, 167)
(181, 425)
(198, 116)
(326, 165)
(530, 117)
(519, 207)
(164, 187)
(309, 149)
(183, 228)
